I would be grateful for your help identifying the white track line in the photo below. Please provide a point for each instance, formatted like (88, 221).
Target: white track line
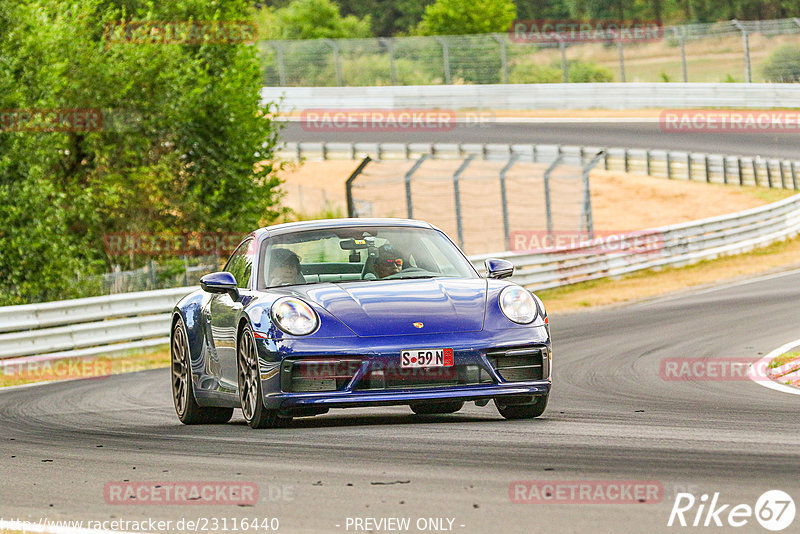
(762, 364)
(35, 526)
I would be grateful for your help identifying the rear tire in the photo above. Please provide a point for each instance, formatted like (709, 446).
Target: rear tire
(522, 411)
(431, 408)
(189, 412)
(250, 393)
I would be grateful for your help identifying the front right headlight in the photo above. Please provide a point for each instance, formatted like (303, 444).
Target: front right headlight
(518, 305)
(294, 316)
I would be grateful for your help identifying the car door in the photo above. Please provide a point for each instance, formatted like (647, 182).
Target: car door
(223, 310)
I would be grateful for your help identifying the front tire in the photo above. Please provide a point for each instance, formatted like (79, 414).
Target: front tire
(522, 411)
(189, 412)
(250, 394)
(431, 408)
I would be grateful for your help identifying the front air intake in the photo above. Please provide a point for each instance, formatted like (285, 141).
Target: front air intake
(519, 364)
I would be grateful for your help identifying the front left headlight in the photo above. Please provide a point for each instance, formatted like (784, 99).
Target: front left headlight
(518, 305)
(294, 316)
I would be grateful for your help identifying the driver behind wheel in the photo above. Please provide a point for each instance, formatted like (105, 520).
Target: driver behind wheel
(285, 268)
(388, 261)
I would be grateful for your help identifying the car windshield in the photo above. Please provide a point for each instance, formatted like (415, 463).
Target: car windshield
(360, 254)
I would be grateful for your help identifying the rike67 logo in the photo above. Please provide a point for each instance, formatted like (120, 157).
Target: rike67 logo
(774, 510)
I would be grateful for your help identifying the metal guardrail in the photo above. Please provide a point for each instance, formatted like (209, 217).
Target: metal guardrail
(670, 164)
(538, 96)
(124, 322)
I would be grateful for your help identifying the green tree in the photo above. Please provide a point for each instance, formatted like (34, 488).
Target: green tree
(389, 17)
(456, 17)
(182, 131)
(311, 19)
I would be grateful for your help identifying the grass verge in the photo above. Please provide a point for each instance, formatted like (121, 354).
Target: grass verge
(652, 283)
(784, 358)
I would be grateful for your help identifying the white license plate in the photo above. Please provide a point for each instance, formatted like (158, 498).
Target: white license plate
(426, 358)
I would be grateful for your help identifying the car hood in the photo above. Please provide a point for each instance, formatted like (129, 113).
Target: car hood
(391, 307)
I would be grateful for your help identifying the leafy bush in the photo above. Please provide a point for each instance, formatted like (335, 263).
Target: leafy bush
(529, 71)
(783, 65)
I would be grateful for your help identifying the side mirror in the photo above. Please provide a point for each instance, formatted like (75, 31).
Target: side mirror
(221, 282)
(498, 268)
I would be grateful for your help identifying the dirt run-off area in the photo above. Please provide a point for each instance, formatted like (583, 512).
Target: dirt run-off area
(620, 202)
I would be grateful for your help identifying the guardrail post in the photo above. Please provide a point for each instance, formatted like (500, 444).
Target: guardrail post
(457, 194)
(741, 174)
(348, 187)
(337, 61)
(409, 174)
(445, 59)
(626, 161)
(605, 159)
(547, 207)
(503, 57)
(503, 171)
(669, 165)
(794, 175)
(647, 161)
(783, 174)
(324, 150)
(621, 61)
(746, 48)
(387, 43)
(708, 170)
(534, 155)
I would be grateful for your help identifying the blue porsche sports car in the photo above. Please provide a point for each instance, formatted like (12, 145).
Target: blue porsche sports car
(342, 313)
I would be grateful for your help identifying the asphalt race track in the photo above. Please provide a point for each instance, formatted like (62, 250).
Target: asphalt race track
(631, 134)
(611, 416)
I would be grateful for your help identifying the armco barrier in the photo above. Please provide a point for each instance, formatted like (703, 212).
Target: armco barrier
(117, 323)
(671, 164)
(537, 96)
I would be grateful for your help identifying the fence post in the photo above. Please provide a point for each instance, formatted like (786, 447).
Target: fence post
(725, 170)
(683, 58)
(281, 62)
(503, 171)
(621, 61)
(503, 57)
(564, 66)
(769, 173)
(794, 175)
(741, 174)
(647, 161)
(754, 164)
(669, 165)
(409, 174)
(445, 59)
(626, 161)
(348, 187)
(746, 48)
(587, 196)
(605, 159)
(783, 174)
(457, 194)
(708, 170)
(547, 207)
(387, 43)
(689, 166)
(336, 60)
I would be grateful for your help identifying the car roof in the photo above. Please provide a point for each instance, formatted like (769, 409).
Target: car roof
(323, 224)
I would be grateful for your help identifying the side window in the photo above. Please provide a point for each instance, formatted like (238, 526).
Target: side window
(240, 264)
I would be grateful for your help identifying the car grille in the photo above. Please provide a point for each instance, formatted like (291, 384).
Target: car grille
(317, 373)
(399, 378)
(520, 364)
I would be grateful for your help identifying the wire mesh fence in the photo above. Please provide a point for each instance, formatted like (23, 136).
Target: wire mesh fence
(736, 51)
(481, 204)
